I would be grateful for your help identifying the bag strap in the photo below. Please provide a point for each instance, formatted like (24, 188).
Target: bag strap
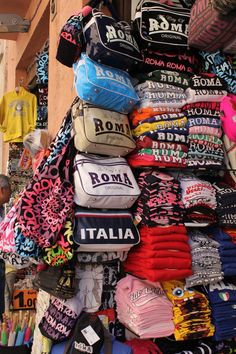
(112, 10)
(107, 341)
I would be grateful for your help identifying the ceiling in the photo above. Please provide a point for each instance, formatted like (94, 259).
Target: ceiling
(18, 7)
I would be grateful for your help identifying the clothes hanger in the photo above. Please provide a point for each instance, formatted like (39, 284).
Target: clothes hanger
(17, 89)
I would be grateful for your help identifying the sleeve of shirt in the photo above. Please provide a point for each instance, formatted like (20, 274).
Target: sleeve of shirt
(34, 113)
(3, 122)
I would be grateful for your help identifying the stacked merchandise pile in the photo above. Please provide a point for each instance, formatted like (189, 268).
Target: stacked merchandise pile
(227, 250)
(160, 200)
(206, 261)
(222, 298)
(162, 108)
(192, 315)
(164, 245)
(42, 86)
(199, 199)
(138, 302)
(161, 139)
(226, 203)
(205, 145)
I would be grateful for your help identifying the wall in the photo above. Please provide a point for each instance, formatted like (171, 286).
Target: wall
(3, 81)
(20, 56)
(61, 90)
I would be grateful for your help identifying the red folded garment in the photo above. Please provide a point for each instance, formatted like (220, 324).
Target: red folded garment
(164, 230)
(144, 142)
(160, 263)
(166, 238)
(139, 159)
(180, 246)
(141, 252)
(158, 275)
(140, 346)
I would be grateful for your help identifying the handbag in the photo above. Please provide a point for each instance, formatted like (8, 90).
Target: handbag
(101, 131)
(160, 26)
(71, 41)
(110, 42)
(104, 86)
(48, 199)
(209, 29)
(103, 230)
(103, 182)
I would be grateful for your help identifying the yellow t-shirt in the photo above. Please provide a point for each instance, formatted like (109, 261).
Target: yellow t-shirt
(18, 114)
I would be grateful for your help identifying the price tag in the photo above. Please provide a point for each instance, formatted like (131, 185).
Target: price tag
(24, 299)
(90, 335)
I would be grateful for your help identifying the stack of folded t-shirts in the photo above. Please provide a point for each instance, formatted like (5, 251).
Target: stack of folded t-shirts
(163, 254)
(160, 130)
(143, 308)
(226, 205)
(160, 200)
(206, 264)
(158, 94)
(184, 62)
(227, 250)
(199, 199)
(203, 110)
(192, 315)
(205, 145)
(222, 298)
(205, 88)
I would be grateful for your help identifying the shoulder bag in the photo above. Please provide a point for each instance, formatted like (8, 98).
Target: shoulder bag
(104, 182)
(101, 131)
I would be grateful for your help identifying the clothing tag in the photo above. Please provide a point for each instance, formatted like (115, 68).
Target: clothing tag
(137, 220)
(105, 321)
(90, 335)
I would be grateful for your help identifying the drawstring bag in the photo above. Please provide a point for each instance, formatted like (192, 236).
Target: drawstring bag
(48, 199)
(8, 250)
(63, 250)
(7, 238)
(25, 247)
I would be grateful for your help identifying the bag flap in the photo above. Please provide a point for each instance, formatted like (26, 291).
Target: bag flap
(160, 23)
(108, 78)
(115, 36)
(105, 227)
(107, 127)
(97, 173)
